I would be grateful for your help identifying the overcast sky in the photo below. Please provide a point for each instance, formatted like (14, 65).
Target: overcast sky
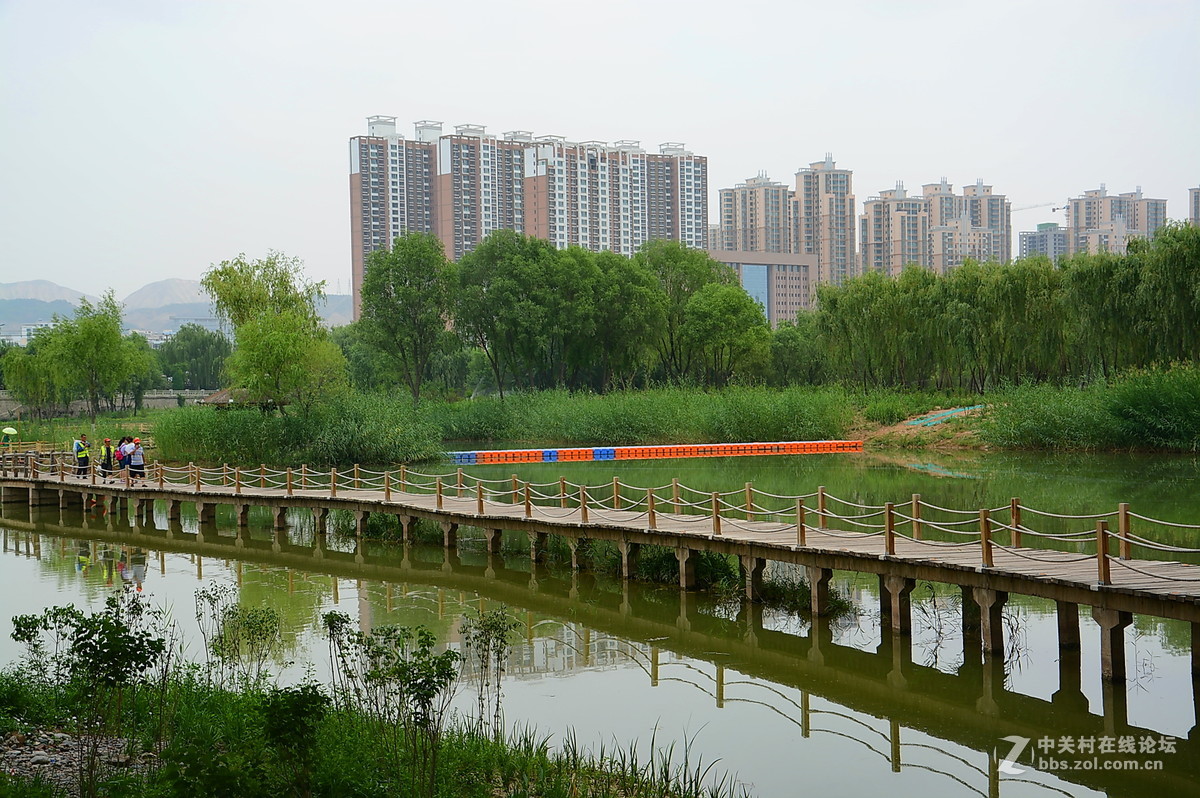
(146, 139)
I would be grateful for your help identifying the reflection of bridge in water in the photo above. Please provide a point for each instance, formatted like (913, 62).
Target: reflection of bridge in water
(970, 708)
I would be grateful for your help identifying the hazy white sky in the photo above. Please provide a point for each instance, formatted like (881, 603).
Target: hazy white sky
(145, 139)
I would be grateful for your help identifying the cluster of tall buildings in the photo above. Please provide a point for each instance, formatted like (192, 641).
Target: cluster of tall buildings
(461, 186)
(781, 240)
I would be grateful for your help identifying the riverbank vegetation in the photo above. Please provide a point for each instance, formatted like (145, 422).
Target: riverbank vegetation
(122, 714)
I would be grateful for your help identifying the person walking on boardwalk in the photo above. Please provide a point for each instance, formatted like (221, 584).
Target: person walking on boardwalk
(82, 456)
(124, 449)
(137, 461)
(107, 460)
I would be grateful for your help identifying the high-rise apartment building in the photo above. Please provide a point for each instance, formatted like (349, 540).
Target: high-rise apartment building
(1049, 239)
(894, 231)
(1194, 206)
(1100, 222)
(756, 216)
(824, 219)
(465, 185)
(938, 230)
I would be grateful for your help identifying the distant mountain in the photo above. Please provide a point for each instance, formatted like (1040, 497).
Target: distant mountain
(42, 290)
(337, 310)
(166, 292)
(15, 312)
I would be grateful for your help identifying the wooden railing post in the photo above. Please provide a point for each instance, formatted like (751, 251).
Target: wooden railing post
(675, 495)
(224, 475)
(333, 483)
(749, 501)
(303, 476)
(356, 482)
(438, 490)
(801, 531)
(562, 491)
(479, 498)
(237, 479)
(516, 489)
(62, 468)
(583, 504)
(889, 528)
(403, 482)
(985, 536)
(195, 469)
(92, 471)
(387, 486)
(262, 475)
(822, 521)
(652, 518)
(1125, 545)
(289, 481)
(528, 502)
(1102, 565)
(159, 468)
(716, 511)
(917, 531)
(1014, 517)
(616, 494)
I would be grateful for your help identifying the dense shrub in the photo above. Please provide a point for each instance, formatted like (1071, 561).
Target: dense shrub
(1159, 408)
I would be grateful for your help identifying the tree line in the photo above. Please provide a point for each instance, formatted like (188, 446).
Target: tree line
(87, 357)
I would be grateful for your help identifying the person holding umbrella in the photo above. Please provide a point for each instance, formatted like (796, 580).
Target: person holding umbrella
(7, 441)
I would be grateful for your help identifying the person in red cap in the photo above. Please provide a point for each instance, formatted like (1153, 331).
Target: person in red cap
(137, 461)
(107, 461)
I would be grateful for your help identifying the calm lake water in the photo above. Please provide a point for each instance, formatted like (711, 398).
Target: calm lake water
(789, 709)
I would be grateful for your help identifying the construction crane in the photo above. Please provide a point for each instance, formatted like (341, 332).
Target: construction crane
(1039, 205)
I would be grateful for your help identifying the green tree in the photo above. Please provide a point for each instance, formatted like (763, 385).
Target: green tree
(680, 272)
(88, 353)
(797, 357)
(243, 289)
(727, 330)
(34, 380)
(407, 296)
(194, 357)
(141, 368)
(280, 360)
(630, 309)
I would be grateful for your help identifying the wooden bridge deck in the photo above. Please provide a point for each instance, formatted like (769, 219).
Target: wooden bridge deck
(1166, 589)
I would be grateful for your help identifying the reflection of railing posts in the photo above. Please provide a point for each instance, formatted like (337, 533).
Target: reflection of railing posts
(805, 719)
(801, 532)
(720, 691)
(583, 504)
(654, 667)
(889, 528)
(985, 537)
(1014, 518)
(1102, 574)
(894, 736)
(916, 516)
(716, 513)
(1125, 545)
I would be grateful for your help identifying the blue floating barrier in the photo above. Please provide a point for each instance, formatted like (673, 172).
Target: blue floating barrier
(549, 455)
(604, 454)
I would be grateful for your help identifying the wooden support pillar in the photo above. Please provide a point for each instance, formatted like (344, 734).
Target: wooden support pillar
(206, 513)
(971, 625)
(173, 510)
(69, 498)
(450, 559)
(752, 576)
(687, 568)
(42, 497)
(279, 517)
(885, 610)
(991, 619)
(491, 541)
(818, 586)
(243, 516)
(1112, 642)
(1068, 625)
(820, 638)
(321, 518)
(629, 557)
(360, 517)
(537, 547)
(899, 591)
(573, 545)
(450, 535)
(406, 522)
